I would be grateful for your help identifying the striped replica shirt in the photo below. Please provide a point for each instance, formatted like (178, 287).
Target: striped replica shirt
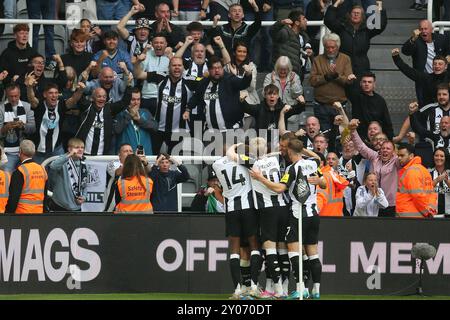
(236, 184)
(264, 197)
(172, 100)
(443, 192)
(433, 113)
(213, 111)
(290, 179)
(193, 70)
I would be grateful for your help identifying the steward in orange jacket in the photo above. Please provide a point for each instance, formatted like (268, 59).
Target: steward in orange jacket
(5, 178)
(416, 197)
(134, 193)
(330, 201)
(28, 183)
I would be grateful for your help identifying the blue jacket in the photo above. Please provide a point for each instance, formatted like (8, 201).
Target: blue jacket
(126, 133)
(164, 195)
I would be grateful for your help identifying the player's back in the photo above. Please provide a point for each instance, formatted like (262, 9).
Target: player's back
(236, 184)
(264, 197)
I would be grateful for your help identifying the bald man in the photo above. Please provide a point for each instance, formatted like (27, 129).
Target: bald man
(423, 46)
(173, 95)
(96, 122)
(113, 85)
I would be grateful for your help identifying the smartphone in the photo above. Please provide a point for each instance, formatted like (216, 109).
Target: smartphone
(92, 27)
(140, 149)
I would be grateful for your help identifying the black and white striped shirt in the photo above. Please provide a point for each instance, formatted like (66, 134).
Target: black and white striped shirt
(443, 191)
(308, 167)
(135, 47)
(96, 135)
(172, 100)
(236, 184)
(263, 196)
(433, 113)
(193, 70)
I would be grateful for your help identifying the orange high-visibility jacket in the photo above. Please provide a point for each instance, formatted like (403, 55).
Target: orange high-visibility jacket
(134, 198)
(31, 200)
(416, 197)
(330, 201)
(5, 178)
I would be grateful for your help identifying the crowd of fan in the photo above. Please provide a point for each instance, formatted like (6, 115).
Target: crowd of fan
(137, 85)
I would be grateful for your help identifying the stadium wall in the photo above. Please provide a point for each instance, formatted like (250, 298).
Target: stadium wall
(97, 253)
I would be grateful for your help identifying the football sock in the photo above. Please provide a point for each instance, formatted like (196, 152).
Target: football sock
(306, 270)
(255, 265)
(295, 257)
(283, 259)
(235, 269)
(245, 272)
(316, 268)
(271, 257)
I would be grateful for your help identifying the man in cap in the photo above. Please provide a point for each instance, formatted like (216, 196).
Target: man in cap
(138, 41)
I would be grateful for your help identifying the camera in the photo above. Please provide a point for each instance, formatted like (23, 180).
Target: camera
(92, 27)
(140, 149)
(16, 119)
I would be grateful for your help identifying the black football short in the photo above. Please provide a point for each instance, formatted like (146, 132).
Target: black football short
(274, 222)
(241, 223)
(310, 230)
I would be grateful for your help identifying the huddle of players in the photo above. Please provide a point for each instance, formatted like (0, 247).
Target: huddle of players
(263, 207)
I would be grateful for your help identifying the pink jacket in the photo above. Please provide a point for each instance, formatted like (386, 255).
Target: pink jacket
(387, 172)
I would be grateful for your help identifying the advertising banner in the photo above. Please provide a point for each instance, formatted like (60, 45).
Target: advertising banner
(102, 253)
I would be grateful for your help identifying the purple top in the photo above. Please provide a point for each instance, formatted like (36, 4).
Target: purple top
(387, 172)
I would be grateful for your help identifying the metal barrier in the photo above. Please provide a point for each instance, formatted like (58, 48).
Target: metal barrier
(31, 22)
(195, 159)
(441, 26)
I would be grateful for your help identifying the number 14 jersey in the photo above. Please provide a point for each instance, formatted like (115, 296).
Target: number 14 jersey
(235, 181)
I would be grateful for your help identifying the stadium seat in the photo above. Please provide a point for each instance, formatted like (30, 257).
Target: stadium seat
(192, 185)
(308, 93)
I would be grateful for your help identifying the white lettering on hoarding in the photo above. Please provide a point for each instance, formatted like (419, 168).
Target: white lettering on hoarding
(330, 268)
(210, 246)
(397, 257)
(179, 255)
(358, 254)
(38, 255)
(191, 255)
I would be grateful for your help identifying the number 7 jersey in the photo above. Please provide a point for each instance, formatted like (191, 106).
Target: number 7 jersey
(235, 181)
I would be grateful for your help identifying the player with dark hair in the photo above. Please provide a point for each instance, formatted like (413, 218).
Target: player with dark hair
(240, 217)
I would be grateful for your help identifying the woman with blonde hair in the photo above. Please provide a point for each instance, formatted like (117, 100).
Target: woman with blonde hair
(134, 188)
(287, 81)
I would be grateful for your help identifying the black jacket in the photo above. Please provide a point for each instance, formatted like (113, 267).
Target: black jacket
(79, 62)
(419, 52)
(39, 112)
(427, 81)
(16, 60)
(244, 33)
(354, 43)
(229, 88)
(110, 111)
(370, 108)
(266, 118)
(177, 34)
(286, 43)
